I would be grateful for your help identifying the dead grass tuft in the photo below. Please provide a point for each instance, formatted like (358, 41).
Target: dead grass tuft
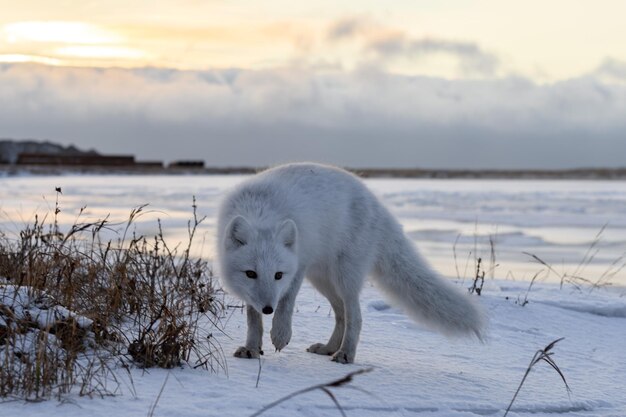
(73, 306)
(544, 355)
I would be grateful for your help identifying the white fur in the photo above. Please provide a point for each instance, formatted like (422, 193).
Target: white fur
(324, 223)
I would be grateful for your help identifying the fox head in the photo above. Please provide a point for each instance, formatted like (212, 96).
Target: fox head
(258, 264)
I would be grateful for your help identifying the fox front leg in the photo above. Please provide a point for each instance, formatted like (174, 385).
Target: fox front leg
(281, 323)
(254, 339)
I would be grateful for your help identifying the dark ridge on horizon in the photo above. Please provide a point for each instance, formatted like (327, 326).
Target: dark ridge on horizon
(146, 169)
(48, 158)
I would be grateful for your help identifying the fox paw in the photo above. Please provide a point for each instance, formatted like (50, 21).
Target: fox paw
(244, 352)
(320, 349)
(342, 357)
(280, 335)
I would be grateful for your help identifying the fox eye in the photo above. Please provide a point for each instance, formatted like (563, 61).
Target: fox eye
(278, 275)
(251, 274)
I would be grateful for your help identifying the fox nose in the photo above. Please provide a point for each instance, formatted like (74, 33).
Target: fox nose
(268, 310)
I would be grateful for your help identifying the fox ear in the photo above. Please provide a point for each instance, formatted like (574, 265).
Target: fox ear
(238, 233)
(288, 233)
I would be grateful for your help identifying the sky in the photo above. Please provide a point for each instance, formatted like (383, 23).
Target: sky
(431, 84)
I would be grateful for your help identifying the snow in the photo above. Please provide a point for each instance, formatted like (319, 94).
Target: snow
(37, 306)
(555, 220)
(416, 372)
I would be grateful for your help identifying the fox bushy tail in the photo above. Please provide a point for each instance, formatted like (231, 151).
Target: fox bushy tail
(406, 278)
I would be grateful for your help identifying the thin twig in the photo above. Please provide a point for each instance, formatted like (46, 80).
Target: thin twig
(324, 387)
(456, 264)
(156, 401)
(258, 376)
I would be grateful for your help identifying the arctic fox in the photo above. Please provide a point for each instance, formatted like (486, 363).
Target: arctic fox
(322, 222)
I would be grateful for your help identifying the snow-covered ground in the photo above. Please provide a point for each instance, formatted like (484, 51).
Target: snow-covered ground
(555, 220)
(415, 371)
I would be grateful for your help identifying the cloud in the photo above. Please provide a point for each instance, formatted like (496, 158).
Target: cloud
(612, 70)
(381, 43)
(471, 57)
(348, 28)
(361, 118)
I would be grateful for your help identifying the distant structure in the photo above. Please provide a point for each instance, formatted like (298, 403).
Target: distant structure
(149, 164)
(37, 153)
(197, 164)
(74, 160)
(10, 150)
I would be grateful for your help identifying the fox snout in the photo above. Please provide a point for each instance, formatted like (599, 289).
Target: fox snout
(268, 310)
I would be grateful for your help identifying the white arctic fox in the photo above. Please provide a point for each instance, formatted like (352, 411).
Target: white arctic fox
(321, 222)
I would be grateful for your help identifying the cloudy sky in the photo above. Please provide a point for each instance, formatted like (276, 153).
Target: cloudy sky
(432, 83)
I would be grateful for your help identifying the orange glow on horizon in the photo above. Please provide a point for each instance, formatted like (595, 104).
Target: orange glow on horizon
(58, 32)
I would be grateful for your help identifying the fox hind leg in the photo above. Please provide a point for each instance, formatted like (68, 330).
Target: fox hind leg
(335, 339)
(352, 314)
(343, 294)
(351, 276)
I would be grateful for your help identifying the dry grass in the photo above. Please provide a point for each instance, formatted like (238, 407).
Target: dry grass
(523, 302)
(544, 355)
(479, 280)
(576, 278)
(75, 310)
(480, 267)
